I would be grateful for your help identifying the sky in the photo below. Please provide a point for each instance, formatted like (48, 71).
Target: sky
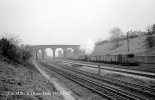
(42, 22)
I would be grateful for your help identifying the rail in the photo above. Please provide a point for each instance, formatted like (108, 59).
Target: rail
(96, 86)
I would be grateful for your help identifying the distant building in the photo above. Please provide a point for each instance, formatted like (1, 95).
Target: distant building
(136, 33)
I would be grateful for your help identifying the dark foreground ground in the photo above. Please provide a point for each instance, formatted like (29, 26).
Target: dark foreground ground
(21, 83)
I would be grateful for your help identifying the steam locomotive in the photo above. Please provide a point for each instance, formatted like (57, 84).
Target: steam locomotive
(126, 59)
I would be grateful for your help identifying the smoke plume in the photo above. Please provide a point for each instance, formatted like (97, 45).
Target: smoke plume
(87, 46)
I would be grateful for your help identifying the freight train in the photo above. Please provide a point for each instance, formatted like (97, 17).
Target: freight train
(126, 59)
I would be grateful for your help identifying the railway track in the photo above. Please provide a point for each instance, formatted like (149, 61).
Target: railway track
(128, 85)
(143, 74)
(99, 87)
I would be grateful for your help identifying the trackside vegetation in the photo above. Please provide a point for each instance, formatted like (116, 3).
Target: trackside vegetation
(10, 48)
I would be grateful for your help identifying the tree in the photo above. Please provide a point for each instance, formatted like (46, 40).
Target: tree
(150, 41)
(9, 48)
(14, 39)
(25, 53)
(150, 29)
(115, 35)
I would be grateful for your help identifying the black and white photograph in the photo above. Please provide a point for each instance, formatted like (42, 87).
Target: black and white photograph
(77, 49)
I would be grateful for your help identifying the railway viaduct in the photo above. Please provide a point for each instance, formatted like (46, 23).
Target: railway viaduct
(36, 48)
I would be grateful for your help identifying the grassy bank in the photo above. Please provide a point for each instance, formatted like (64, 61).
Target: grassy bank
(21, 83)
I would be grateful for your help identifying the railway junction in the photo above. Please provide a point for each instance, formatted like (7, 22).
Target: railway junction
(108, 85)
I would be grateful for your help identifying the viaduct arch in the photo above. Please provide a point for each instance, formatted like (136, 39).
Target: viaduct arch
(35, 49)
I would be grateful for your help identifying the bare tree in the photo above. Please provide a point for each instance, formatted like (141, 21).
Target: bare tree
(115, 35)
(150, 29)
(9, 47)
(14, 39)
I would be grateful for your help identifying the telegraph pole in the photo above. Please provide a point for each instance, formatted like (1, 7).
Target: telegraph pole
(128, 41)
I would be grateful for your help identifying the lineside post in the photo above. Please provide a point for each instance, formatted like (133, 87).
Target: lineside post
(128, 41)
(99, 69)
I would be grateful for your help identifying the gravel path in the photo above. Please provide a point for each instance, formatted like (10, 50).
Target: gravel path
(62, 91)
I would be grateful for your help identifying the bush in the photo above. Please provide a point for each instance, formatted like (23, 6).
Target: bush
(7, 49)
(150, 41)
(13, 52)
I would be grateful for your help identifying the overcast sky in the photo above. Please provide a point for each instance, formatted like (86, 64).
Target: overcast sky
(72, 21)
